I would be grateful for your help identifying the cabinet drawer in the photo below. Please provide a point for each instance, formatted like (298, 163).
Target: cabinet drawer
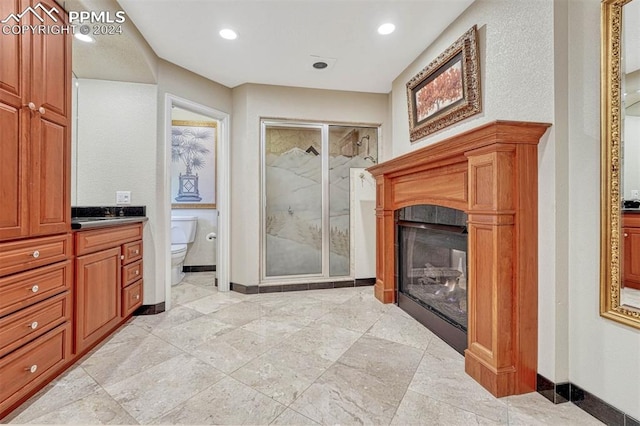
(26, 368)
(27, 324)
(132, 252)
(18, 256)
(21, 290)
(104, 238)
(131, 298)
(131, 273)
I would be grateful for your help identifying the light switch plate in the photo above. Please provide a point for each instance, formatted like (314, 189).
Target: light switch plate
(123, 197)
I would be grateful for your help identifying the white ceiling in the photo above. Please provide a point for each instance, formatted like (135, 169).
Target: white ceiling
(277, 39)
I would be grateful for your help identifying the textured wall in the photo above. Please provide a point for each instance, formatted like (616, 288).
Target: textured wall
(116, 151)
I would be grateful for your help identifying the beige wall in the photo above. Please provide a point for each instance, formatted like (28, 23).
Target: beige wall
(250, 103)
(604, 356)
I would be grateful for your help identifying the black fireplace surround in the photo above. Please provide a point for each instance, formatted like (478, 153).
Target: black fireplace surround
(431, 256)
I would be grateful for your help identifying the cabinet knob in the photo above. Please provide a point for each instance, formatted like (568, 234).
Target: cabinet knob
(33, 368)
(31, 106)
(137, 251)
(626, 235)
(33, 325)
(137, 272)
(41, 110)
(137, 297)
(36, 254)
(35, 289)
(122, 257)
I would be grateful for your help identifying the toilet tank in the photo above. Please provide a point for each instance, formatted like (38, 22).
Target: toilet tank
(183, 229)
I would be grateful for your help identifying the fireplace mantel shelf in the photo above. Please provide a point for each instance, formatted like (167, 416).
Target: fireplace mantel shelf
(489, 172)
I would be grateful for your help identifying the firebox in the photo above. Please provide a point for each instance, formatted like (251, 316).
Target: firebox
(431, 256)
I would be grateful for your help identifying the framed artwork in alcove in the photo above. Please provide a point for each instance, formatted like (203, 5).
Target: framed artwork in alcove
(193, 164)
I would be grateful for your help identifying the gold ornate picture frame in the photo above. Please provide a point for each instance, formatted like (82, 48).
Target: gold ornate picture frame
(611, 268)
(447, 90)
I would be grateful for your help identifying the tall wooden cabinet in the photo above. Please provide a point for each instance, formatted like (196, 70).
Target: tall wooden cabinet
(35, 111)
(36, 272)
(631, 249)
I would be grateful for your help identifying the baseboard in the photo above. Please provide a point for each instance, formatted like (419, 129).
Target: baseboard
(322, 285)
(568, 392)
(150, 309)
(199, 268)
(244, 289)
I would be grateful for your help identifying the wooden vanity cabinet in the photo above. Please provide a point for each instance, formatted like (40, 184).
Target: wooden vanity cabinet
(108, 281)
(631, 248)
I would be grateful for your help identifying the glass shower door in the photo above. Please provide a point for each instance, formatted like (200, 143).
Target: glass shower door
(293, 200)
(306, 190)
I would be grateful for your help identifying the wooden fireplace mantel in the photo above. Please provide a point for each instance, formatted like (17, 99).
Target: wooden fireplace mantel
(491, 173)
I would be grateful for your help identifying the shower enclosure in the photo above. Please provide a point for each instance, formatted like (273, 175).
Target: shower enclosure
(306, 199)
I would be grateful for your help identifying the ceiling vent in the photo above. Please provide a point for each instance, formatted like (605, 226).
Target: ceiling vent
(321, 63)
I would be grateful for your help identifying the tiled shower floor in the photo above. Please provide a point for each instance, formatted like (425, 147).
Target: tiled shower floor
(295, 358)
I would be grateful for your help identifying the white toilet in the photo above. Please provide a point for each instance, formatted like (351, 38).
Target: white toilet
(183, 232)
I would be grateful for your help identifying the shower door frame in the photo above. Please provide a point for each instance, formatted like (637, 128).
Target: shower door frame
(325, 275)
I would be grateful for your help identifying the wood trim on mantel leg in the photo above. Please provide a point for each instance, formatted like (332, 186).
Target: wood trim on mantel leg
(491, 174)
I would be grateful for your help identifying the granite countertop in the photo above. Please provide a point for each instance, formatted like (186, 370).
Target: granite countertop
(104, 216)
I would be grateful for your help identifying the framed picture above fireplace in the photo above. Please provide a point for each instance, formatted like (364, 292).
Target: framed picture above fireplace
(447, 90)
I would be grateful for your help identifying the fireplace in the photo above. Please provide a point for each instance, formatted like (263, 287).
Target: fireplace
(490, 174)
(432, 269)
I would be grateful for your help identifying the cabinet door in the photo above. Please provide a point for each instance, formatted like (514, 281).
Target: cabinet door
(50, 137)
(631, 249)
(14, 77)
(98, 298)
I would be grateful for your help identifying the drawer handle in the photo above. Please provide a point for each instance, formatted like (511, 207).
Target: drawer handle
(35, 289)
(33, 368)
(33, 325)
(137, 251)
(36, 254)
(137, 272)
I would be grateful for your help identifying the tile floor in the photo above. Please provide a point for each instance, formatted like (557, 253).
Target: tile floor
(333, 356)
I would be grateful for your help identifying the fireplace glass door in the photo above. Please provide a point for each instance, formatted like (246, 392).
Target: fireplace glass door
(432, 265)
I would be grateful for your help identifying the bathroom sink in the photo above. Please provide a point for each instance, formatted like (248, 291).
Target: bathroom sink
(100, 221)
(91, 219)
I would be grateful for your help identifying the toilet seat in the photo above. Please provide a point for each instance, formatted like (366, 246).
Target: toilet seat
(178, 248)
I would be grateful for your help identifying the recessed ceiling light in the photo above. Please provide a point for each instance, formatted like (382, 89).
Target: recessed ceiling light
(320, 65)
(387, 28)
(228, 34)
(84, 37)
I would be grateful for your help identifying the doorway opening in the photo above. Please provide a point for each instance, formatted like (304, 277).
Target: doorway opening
(196, 191)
